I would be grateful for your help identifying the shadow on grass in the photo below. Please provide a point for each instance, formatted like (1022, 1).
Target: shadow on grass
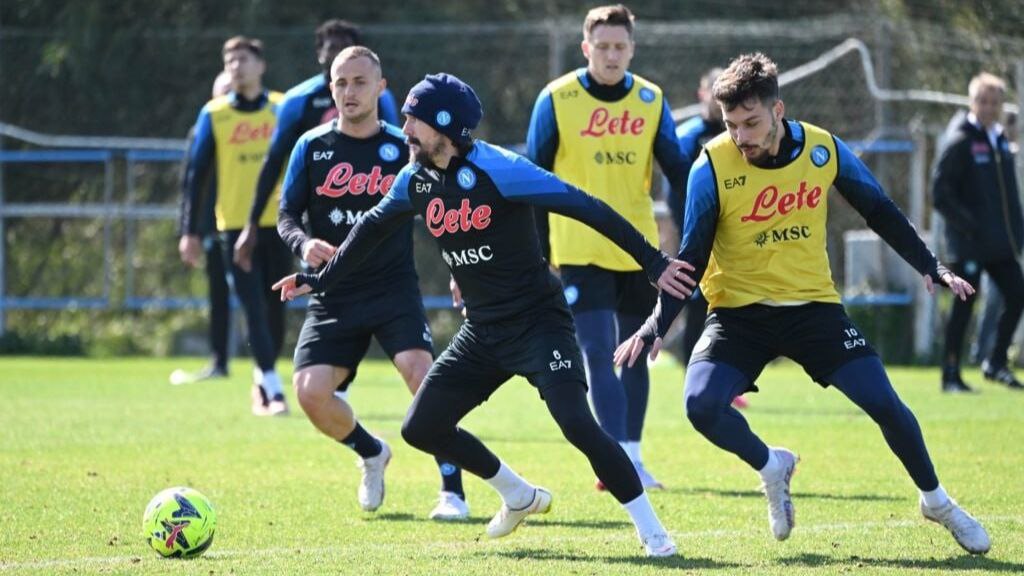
(678, 561)
(591, 523)
(962, 562)
(797, 495)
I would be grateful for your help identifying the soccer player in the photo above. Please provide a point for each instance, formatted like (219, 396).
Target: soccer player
(216, 272)
(306, 106)
(232, 136)
(477, 201)
(755, 230)
(337, 172)
(600, 128)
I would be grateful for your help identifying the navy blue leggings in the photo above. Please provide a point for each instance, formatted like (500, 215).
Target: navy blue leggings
(620, 401)
(711, 386)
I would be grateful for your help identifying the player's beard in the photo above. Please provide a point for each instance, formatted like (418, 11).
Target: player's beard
(765, 157)
(424, 155)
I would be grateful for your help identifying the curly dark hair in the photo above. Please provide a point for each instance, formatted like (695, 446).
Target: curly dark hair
(748, 76)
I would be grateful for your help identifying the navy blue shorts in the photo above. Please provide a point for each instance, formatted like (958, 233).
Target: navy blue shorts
(338, 333)
(818, 336)
(589, 288)
(540, 346)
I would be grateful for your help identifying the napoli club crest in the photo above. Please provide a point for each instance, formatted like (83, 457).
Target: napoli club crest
(466, 178)
(443, 118)
(820, 156)
(388, 152)
(647, 95)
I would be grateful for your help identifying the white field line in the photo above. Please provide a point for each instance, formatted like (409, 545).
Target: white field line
(304, 551)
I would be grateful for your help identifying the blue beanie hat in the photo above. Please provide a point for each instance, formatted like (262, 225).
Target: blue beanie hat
(447, 104)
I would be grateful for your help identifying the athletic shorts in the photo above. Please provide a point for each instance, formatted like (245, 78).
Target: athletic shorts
(338, 333)
(818, 336)
(589, 288)
(540, 346)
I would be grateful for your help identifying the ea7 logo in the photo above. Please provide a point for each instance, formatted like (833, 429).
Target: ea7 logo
(322, 155)
(424, 187)
(559, 363)
(734, 182)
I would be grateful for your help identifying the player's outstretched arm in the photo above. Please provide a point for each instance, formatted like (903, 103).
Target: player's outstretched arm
(699, 227)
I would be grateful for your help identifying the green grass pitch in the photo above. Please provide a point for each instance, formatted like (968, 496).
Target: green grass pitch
(84, 445)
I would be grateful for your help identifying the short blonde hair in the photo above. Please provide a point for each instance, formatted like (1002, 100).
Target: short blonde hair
(984, 81)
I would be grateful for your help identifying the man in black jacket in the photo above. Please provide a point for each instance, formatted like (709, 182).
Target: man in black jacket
(976, 192)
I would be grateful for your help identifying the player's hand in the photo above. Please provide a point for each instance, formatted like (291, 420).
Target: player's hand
(315, 252)
(630, 349)
(675, 281)
(456, 292)
(288, 289)
(189, 247)
(244, 247)
(958, 286)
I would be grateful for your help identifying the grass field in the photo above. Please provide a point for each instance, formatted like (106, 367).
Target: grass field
(84, 444)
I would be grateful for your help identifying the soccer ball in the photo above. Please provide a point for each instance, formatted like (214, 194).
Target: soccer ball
(179, 523)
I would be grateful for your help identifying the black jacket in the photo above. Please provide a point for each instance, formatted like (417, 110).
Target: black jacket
(975, 190)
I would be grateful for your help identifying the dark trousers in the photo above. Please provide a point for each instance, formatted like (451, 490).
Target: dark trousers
(264, 311)
(220, 300)
(1007, 276)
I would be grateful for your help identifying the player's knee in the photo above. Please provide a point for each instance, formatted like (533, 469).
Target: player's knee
(578, 427)
(701, 411)
(312, 391)
(419, 432)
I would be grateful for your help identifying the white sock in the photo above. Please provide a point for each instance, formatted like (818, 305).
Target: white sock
(935, 498)
(644, 518)
(341, 395)
(271, 384)
(632, 450)
(515, 492)
(257, 375)
(772, 467)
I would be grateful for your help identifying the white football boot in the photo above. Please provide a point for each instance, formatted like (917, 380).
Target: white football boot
(781, 514)
(371, 486)
(507, 520)
(450, 507)
(966, 530)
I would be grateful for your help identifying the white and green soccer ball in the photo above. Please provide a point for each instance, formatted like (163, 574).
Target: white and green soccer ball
(179, 523)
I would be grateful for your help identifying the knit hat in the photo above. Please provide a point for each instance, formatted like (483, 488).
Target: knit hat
(447, 104)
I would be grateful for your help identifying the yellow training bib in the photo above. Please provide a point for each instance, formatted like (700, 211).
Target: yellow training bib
(606, 149)
(770, 242)
(241, 141)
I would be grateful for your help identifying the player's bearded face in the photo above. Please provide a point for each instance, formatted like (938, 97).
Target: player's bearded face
(754, 129)
(425, 143)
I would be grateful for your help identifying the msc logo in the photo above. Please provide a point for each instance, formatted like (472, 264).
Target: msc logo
(558, 363)
(615, 158)
(734, 182)
(388, 152)
(348, 217)
(782, 235)
(820, 156)
(322, 102)
(322, 155)
(466, 178)
(467, 256)
(443, 118)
